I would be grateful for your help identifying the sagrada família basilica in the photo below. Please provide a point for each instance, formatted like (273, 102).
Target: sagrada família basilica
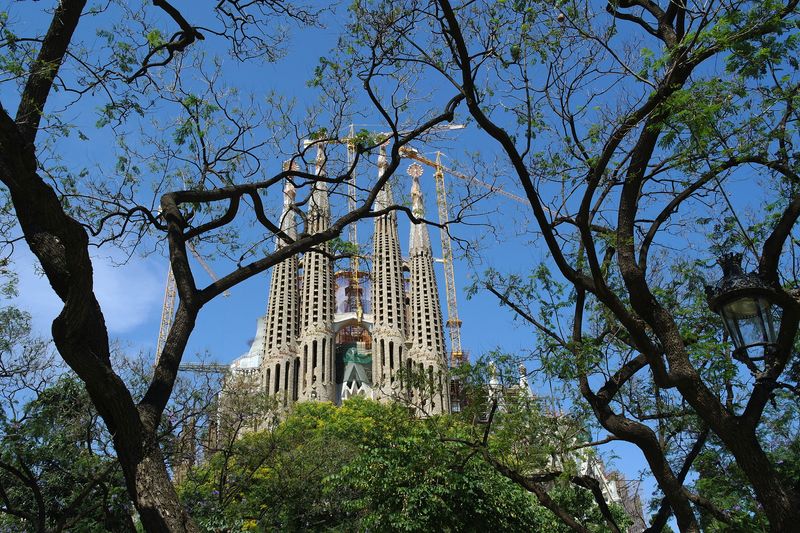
(328, 335)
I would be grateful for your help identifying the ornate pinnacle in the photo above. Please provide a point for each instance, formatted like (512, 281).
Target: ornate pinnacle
(417, 203)
(384, 198)
(382, 163)
(319, 208)
(288, 222)
(321, 160)
(289, 191)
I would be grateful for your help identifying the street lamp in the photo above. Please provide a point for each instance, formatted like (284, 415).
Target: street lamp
(748, 308)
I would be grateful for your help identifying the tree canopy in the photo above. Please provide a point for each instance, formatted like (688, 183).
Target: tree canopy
(367, 466)
(189, 168)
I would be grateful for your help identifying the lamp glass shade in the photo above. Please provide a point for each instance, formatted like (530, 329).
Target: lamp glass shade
(752, 323)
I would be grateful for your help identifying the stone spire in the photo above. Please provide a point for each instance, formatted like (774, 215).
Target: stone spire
(388, 298)
(427, 332)
(282, 321)
(419, 232)
(384, 198)
(288, 215)
(316, 377)
(319, 214)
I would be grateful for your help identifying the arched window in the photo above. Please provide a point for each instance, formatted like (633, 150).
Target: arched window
(324, 352)
(314, 360)
(305, 366)
(285, 382)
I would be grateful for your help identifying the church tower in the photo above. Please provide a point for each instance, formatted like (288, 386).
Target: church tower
(427, 350)
(280, 360)
(331, 335)
(388, 340)
(317, 302)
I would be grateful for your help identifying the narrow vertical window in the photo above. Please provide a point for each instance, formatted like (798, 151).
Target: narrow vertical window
(324, 353)
(391, 361)
(305, 366)
(285, 382)
(314, 362)
(296, 379)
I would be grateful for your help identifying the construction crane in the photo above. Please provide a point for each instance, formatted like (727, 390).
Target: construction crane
(167, 314)
(414, 154)
(453, 322)
(170, 292)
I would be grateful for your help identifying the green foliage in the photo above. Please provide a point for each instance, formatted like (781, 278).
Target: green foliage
(417, 481)
(54, 472)
(51, 470)
(365, 137)
(155, 38)
(579, 503)
(364, 466)
(16, 55)
(342, 247)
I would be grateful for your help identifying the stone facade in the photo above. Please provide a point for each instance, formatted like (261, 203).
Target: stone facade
(331, 335)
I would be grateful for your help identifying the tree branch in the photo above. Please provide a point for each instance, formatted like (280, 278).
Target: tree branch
(45, 67)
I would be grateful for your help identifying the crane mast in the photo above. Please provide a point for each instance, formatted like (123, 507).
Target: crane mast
(453, 322)
(167, 314)
(355, 283)
(170, 293)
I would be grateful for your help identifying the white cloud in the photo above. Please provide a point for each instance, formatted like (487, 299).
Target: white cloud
(129, 295)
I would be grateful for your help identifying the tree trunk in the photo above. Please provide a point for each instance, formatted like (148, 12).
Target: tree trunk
(155, 497)
(61, 245)
(781, 504)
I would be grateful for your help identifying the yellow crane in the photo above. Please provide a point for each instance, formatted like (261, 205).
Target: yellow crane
(414, 154)
(453, 322)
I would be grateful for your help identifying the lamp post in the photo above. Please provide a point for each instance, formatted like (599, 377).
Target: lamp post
(748, 307)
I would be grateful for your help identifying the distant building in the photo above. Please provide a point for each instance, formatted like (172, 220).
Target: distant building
(329, 335)
(614, 487)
